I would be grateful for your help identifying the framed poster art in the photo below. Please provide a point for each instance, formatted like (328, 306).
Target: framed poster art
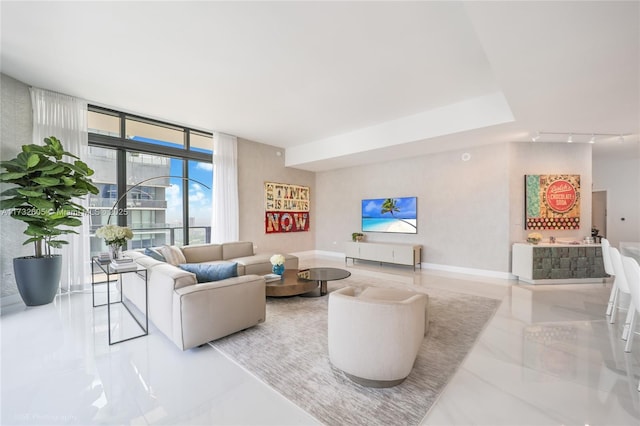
(552, 201)
(286, 207)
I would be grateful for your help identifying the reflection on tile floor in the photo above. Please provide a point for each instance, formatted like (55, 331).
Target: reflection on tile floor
(548, 357)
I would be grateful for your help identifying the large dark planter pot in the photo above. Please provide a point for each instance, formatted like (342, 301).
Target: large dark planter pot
(37, 278)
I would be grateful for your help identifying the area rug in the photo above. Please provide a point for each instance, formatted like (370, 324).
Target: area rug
(289, 353)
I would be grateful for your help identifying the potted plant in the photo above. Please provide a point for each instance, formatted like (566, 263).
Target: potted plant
(534, 237)
(357, 236)
(277, 260)
(42, 198)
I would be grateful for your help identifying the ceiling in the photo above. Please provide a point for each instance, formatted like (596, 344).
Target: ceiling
(337, 84)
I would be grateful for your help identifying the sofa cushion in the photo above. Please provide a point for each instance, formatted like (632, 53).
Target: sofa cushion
(173, 255)
(237, 249)
(198, 253)
(212, 272)
(167, 276)
(154, 253)
(260, 264)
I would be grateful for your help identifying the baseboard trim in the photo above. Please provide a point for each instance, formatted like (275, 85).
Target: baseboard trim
(320, 253)
(434, 266)
(470, 271)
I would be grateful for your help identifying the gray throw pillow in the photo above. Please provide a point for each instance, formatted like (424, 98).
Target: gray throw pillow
(211, 272)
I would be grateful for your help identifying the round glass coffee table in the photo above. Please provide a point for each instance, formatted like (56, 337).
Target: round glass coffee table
(321, 276)
(310, 282)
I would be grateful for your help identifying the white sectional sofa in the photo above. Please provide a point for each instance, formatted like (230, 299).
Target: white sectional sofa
(191, 313)
(240, 252)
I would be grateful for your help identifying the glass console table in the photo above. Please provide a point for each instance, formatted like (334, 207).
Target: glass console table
(110, 272)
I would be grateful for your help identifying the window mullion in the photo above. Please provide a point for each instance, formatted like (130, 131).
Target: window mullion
(121, 165)
(185, 201)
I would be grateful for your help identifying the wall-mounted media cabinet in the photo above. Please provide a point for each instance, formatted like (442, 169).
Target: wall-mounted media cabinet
(400, 254)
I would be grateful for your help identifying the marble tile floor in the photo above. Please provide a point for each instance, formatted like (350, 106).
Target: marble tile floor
(548, 357)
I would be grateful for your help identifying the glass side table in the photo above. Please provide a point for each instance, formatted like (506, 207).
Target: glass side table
(106, 268)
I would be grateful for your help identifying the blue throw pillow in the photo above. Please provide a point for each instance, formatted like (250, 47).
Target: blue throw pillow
(211, 272)
(155, 254)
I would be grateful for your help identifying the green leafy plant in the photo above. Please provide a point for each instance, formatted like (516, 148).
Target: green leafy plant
(356, 236)
(45, 186)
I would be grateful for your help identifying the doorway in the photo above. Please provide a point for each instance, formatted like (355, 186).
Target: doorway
(599, 212)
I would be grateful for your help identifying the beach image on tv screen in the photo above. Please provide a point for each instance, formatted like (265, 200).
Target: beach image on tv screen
(390, 215)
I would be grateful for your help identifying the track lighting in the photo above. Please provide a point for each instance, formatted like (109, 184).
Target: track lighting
(578, 137)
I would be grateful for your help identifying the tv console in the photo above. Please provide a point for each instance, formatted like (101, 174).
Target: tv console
(399, 254)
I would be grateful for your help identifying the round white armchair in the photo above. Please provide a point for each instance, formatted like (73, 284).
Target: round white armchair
(374, 337)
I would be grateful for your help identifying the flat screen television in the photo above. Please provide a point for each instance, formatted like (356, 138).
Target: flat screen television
(398, 215)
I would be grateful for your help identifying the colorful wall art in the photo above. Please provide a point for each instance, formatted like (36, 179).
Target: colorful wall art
(286, 207)
(552, 201)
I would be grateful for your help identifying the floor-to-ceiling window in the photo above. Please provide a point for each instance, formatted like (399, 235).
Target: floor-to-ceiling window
(154, 177)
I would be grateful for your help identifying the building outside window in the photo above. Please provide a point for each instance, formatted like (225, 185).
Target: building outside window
(165, 170)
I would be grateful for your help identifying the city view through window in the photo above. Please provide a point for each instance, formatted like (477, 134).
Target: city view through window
(161, 190)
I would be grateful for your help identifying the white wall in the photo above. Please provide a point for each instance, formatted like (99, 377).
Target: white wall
(257, 164)
(15, 131)
(620, 177)
(463, 206)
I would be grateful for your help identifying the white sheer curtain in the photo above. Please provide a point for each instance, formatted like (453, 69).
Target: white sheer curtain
(65, 118)
(225, 217)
